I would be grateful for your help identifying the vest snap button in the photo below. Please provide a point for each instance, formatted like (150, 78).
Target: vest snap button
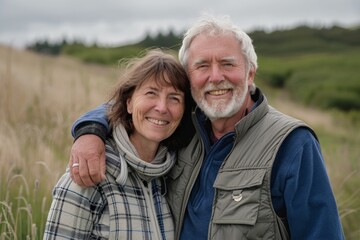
(237, 198)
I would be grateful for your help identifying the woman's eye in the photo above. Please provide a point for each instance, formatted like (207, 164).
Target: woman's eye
(176, 99)
(150, 93)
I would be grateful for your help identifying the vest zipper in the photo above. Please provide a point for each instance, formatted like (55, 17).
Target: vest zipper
(193, 177)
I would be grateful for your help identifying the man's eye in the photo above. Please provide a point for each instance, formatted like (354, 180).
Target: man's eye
(202, 66)
(228, 64)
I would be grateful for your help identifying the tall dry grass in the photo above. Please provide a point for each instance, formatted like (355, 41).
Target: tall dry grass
(40, 97)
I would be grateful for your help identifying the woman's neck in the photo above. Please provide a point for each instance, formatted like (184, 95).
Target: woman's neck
(146, 150)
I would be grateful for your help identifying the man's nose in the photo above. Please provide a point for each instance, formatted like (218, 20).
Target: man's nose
(216, 74)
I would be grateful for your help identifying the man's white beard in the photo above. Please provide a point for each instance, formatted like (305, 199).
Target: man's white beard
(222, 108)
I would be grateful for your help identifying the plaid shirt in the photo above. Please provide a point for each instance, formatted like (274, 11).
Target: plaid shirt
(109, 210)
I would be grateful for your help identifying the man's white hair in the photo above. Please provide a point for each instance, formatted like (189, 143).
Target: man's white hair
(214, 26)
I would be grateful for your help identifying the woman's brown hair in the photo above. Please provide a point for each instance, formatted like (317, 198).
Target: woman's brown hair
(167, 71)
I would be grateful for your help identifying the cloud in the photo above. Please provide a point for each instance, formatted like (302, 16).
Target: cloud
(114, 21)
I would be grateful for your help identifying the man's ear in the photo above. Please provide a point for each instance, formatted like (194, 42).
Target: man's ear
(251, 76)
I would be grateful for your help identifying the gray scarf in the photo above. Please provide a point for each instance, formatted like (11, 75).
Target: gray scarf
(161, 164)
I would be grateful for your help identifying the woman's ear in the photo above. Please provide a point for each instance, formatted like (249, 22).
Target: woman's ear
(129, 106)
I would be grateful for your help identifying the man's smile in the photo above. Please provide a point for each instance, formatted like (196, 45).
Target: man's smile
(218, 92)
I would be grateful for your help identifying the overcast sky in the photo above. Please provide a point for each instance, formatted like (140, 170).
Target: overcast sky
(116, 22)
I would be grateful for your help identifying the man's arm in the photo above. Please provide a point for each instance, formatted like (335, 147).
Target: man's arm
(303, 186)
(94, 120)
(88, 150)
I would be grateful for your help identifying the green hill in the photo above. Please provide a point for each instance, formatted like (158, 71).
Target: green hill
(317, 66)
(304, 39)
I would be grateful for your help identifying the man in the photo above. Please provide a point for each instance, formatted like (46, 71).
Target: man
(250, 172)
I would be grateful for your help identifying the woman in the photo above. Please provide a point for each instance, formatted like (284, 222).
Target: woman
(145, 112)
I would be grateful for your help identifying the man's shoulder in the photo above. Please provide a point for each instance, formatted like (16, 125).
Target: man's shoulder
(299, 136)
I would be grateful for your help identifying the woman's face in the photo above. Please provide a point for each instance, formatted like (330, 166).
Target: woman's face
(156, 111)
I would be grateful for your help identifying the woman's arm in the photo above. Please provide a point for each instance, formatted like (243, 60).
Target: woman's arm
(72, 213)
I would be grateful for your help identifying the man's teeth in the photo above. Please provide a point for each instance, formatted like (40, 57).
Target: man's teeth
(218, 92)
(158, 122)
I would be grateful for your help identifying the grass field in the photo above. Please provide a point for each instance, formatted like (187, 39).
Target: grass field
(41, 96)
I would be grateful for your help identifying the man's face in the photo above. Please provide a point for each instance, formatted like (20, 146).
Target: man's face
(218, 75)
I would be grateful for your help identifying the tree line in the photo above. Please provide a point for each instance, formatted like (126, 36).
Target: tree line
(287, 41)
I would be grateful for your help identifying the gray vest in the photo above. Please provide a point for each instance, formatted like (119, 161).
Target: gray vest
(242, 207)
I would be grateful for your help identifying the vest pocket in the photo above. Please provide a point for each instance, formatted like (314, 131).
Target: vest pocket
(237, 197)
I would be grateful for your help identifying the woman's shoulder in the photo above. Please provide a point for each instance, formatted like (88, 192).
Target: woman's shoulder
(67, 189)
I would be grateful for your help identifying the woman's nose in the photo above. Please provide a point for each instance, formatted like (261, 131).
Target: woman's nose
(161, 105)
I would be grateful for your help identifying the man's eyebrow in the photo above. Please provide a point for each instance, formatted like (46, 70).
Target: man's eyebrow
(199, 61)
(228, 59)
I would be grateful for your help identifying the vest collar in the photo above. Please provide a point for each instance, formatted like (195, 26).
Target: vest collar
(258, 111)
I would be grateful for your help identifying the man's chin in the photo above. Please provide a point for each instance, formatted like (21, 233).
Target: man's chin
(218, 112)
(215, 114)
